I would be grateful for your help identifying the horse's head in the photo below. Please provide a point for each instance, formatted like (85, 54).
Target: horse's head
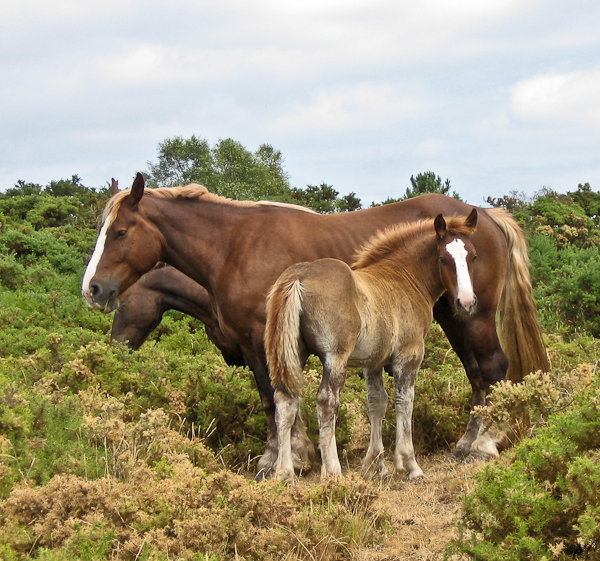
(128, 246)
(456, 255)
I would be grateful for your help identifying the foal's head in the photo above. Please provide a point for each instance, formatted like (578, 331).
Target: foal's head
(128, 246)
(456, 255)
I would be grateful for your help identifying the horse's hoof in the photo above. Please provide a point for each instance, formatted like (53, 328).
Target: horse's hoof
(457, 456)
(475, 457)
(415, 476)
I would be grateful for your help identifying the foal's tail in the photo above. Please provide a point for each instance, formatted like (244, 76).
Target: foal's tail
(520, 332)
(282, 335)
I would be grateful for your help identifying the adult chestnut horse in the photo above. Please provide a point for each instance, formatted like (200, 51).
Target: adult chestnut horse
(236, 250)
(164, 288)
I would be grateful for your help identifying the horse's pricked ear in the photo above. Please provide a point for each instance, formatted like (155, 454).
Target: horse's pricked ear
(137, 189)
(114, 186)
(440, 226)
(471, 220)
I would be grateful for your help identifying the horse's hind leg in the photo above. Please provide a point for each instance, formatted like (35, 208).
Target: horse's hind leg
(328, 404)
(377, 397)
(286, 409)
(404, 379)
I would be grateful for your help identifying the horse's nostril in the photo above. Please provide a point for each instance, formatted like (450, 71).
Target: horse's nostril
(95, 290)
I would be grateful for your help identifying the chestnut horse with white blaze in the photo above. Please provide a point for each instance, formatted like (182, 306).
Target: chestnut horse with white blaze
(376, 314)
(142, 305)
(237, 250)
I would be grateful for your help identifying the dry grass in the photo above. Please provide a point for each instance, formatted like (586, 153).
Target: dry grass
(422, 512)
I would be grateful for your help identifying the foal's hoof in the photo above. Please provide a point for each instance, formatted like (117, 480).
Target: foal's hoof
(415, 476)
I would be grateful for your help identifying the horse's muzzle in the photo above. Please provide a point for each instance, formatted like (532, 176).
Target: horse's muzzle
(466, 307)
(101, 298)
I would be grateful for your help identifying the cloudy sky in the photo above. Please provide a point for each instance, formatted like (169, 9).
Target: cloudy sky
(495, 95)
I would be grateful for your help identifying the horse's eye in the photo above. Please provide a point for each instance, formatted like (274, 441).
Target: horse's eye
(443, 261)
(121, 234)
(474, 257)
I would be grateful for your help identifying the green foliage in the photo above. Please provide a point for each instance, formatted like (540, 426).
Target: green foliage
(545, 503)
(567, 284)
(564, 241)
(325, 199)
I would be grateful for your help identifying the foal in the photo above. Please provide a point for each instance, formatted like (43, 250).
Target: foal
(374, 315)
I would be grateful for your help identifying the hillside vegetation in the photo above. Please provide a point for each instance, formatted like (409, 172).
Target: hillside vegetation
(112, 454)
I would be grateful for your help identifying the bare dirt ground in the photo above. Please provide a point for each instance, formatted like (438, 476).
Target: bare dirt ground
(422, 513)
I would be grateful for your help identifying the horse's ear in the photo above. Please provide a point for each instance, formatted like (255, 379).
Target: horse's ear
(114, 186)
(137, 189)
(471, 221)
(440, 226)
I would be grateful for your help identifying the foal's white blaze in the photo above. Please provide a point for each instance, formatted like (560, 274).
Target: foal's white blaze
(459, 253)
(93, 264)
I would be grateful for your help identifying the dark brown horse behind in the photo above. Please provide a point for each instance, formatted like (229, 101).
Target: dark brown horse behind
(236, 250)
(165, 288)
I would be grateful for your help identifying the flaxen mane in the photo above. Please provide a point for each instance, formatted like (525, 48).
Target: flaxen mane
(385, 242)
(191, 191)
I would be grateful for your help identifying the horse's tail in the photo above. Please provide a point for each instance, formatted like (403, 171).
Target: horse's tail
(282, 336)
(520, 332)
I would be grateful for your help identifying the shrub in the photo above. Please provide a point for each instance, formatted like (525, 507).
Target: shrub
(545, 503)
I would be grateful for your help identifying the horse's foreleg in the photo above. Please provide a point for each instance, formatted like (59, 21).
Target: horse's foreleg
(328, 404)
(476, 343)
(286, 409)
(377, 397)
(404, 379)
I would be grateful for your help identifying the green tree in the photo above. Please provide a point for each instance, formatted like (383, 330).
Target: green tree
(428, 182)
(588, 200)
(226, 168)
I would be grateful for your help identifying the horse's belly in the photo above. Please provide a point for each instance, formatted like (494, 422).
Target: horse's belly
(369, 353)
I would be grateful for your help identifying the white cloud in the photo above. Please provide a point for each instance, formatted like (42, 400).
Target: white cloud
(353, 108)
(570, 97)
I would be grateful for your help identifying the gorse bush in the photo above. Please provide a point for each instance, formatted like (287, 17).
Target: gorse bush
(545, 503)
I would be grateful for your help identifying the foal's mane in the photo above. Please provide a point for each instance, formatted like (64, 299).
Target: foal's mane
(397, 237)
(191, 191)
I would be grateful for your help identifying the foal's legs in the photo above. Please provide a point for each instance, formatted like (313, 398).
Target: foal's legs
(302, 447)
(377, 397)
(404, 379)
(328, 405)
(286, 409)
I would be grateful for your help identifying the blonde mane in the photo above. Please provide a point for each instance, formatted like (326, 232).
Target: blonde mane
(191, 191)
(394, 238)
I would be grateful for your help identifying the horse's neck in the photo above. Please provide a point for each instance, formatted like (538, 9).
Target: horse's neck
(183, 302)
(195, 235)
(413, 272)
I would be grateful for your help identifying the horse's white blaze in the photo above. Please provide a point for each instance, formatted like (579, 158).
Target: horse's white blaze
(459, 253)
(93, 264)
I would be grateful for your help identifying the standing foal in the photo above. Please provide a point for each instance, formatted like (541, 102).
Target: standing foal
(373, 315)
